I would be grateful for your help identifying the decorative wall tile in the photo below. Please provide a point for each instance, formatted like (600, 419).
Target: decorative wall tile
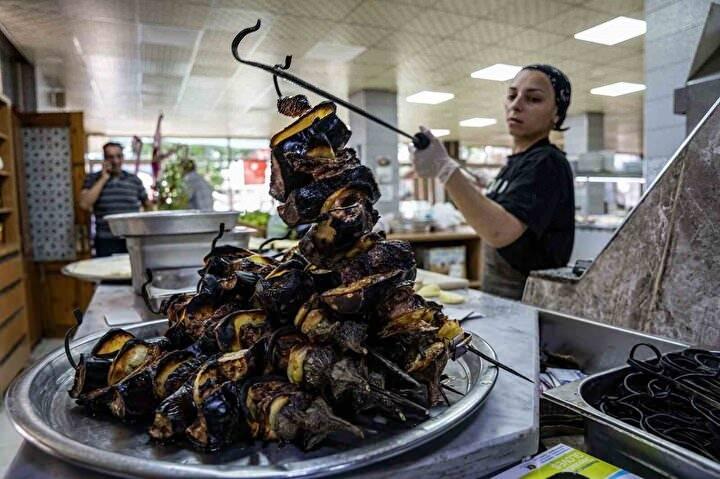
(46, 153)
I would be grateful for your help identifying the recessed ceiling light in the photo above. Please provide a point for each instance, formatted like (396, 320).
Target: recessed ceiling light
(617, 89)
(478, 122)
(438, 132)
(430, 97)
(613, 31)
(497, 72)
(336, 52)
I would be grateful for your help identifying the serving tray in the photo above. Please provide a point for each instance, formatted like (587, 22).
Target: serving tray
(43, 412)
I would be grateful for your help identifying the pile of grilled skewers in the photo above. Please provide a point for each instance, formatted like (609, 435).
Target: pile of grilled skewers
(290, 348)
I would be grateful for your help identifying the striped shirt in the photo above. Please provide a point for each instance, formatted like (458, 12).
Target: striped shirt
(123, 193)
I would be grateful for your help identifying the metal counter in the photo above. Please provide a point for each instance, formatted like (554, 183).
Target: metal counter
(503, 432)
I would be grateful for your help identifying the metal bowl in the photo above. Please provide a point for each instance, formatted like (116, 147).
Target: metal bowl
(153, 223)
(42, 411)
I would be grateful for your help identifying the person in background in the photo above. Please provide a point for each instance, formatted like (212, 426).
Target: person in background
(526, 219)
(198, 189)
(111, 190)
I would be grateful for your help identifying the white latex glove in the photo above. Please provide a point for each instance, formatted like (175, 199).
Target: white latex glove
(433, 161)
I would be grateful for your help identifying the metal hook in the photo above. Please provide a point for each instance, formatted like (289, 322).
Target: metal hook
(78, 321)
(419, 139)
(216, 238)
(288, 61)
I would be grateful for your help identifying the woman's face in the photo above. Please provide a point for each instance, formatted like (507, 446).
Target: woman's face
(530, 109)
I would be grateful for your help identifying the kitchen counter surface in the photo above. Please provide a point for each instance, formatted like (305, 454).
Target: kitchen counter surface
(500, 434)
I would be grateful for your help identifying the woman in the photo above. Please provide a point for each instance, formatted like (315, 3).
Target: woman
(527, 218)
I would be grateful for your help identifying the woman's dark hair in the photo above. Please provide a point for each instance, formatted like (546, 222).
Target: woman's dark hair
(562, 88)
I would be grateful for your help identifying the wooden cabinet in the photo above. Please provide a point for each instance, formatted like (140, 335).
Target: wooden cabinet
(15, 340)
(462, 236)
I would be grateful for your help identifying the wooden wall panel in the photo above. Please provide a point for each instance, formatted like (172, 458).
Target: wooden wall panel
(11, 331)
(53, 296)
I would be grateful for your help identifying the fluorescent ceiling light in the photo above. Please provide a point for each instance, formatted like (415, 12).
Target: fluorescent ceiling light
(478, 122)
(614, 31)
(438, 132)
(617, 89)
(337, 52)
(430, 97)
(497, 72)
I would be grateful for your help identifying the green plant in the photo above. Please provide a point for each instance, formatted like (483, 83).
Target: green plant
(171, 187)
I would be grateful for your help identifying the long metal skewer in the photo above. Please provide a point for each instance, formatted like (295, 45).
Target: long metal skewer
(419, 140)
(459, 347)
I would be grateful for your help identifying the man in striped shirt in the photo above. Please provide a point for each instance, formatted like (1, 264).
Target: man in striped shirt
(109, 191)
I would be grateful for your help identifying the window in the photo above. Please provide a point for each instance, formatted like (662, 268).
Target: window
(237, 168)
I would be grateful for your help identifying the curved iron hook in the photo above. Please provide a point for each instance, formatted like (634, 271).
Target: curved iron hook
(68, 334)
(288, 61)
(419, 140)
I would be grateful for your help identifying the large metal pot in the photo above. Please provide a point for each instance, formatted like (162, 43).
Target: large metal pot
(167, 240)
(153, 223)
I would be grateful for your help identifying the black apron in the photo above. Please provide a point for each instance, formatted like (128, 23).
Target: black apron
(498, 277)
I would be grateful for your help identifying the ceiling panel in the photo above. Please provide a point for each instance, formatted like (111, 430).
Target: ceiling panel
(148, 55)
(170, 12)
(527, 13)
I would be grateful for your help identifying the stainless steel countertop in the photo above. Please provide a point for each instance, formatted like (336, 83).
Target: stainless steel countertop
(502, 433)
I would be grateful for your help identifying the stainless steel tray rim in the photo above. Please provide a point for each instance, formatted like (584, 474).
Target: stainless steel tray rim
(34, 429)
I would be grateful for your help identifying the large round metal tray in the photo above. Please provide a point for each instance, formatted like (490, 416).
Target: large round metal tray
(154, 223)
(42, 411)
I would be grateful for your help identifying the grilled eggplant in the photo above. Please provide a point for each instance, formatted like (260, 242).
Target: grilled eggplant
(174, 414)
(134, 354)
(283, 292)
(133, 396)
(362, 295)
(91, 373)
(384, 256)
(319, 120)
(172, 371)
(304, 204)
(233, 366)
(218, 420)
(310, 365)
(350, 215)
(293, 106)
(98, 400)
(320, 162)
(278, 410)
(315, 322)
(110, 343)
(241, 329)
(317, 133)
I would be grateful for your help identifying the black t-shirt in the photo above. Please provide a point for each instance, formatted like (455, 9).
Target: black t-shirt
(537, 187)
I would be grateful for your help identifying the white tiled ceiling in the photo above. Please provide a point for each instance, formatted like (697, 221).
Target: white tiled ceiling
(146, 56)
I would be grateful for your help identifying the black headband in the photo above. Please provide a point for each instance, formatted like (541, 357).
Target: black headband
(561, 86)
